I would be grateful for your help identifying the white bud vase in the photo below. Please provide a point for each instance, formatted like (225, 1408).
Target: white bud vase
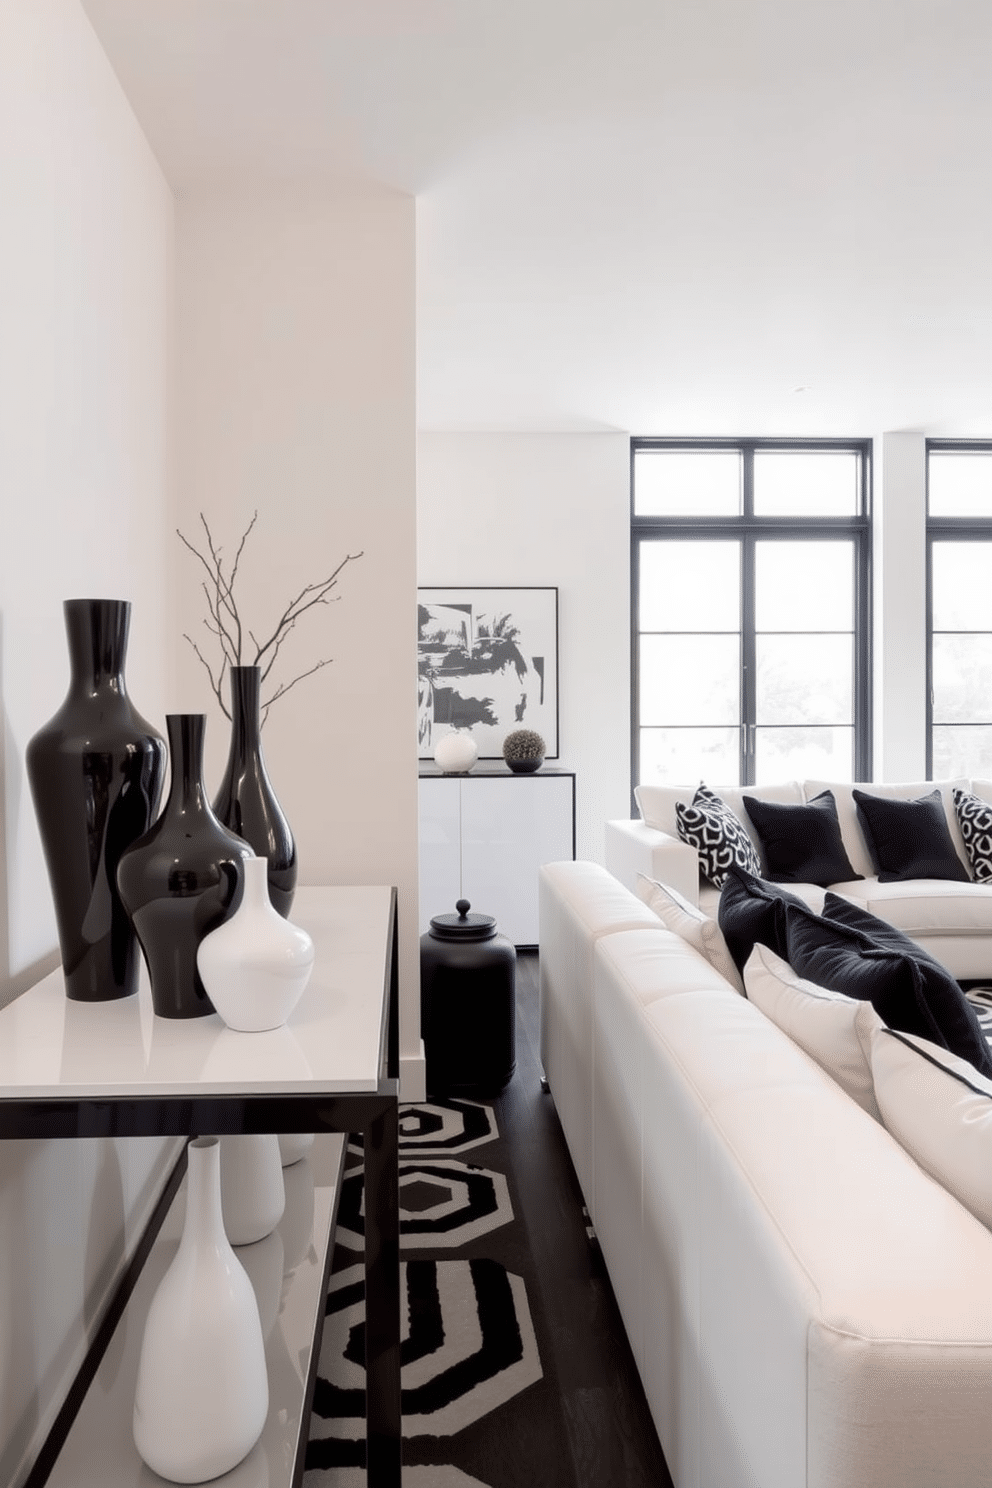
(253, 1194)
(202, 1392)
(256, 964)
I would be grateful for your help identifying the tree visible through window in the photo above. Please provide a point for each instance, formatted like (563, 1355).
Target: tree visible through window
(750, 610)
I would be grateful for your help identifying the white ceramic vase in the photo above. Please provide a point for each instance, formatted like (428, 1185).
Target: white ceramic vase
(293, 1146)
(256, 964)
(202, 1392)
(253, 1194)
(456, 753)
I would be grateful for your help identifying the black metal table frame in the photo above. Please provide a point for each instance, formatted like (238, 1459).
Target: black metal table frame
(374, 1114)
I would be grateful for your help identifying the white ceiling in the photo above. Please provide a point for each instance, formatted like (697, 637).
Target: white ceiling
(710, 216)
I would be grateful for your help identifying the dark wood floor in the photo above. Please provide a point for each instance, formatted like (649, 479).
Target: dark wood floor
(609, 1428)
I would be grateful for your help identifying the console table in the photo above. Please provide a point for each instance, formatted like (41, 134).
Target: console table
(70, 1069)
(484, 836)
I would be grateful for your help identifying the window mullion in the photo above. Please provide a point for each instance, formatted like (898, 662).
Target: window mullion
(748, 660)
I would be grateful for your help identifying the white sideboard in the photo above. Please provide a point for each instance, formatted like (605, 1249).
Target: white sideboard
(483, 837)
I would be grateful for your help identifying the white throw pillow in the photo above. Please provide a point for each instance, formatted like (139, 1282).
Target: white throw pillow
(833, 1029)
(702, 932)
(939, 1108)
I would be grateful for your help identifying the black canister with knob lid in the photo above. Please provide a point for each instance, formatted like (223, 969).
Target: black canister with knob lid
(467, 1012)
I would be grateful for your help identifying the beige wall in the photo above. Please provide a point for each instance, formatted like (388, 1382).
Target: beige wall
(85, 311)
(295, 397)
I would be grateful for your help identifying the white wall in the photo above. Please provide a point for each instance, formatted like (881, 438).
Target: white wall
(296, 397)
(520, 509)
(899, 606)
(85, 307)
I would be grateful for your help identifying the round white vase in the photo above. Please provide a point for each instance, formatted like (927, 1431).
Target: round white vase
(202, 1393)
(456, 753)
(293, 1146)
(256, 964)
(253, 1194)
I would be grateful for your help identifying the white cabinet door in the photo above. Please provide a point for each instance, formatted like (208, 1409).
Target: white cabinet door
(440, 848)
(483, 838)
(510, 826)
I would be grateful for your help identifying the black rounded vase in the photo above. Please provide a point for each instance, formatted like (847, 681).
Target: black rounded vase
(246, 802)
(96, 772)
(182, 879)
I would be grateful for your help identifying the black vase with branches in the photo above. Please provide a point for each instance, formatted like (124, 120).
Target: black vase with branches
(246, 803)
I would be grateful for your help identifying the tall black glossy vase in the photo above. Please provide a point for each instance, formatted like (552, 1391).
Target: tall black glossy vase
(246, 802)
(96, 772)
(182, 879)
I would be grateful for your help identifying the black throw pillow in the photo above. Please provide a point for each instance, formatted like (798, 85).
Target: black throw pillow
(843, 912)
(801, 844)
(751, 910)
(909, 839)
(910, 995)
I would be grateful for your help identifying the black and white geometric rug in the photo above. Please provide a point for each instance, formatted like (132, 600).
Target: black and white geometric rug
(479, 1407)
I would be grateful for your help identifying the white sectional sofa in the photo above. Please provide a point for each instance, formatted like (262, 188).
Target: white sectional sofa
(952, 920)
(807, 1307)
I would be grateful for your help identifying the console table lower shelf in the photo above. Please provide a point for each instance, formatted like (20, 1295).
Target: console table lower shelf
(288, 1270)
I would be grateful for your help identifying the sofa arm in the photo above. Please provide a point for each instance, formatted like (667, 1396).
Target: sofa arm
(632, 847)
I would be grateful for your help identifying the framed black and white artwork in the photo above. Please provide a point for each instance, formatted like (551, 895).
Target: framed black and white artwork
(488, 663)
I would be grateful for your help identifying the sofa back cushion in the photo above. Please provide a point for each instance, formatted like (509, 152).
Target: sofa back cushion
(692, 924)
(940, 1110)
(800, 843)
(910, 994)
(850, 827)
(833, 1029)
(656, 803)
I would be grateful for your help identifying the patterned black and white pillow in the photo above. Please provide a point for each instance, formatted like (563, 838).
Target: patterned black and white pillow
(975, 820)
(709, 825)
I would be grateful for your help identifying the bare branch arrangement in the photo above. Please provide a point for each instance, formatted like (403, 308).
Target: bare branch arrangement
(225, 624)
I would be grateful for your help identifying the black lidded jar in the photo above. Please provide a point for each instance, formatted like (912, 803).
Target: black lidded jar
(467, 1007)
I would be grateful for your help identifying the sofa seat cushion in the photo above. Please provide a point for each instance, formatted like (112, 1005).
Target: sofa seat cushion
(887, 1255)
(913, 995)
(844, 911)
(927, 907)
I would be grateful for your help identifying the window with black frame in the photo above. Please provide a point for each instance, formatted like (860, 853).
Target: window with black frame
(959, 609)
(750, 610)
